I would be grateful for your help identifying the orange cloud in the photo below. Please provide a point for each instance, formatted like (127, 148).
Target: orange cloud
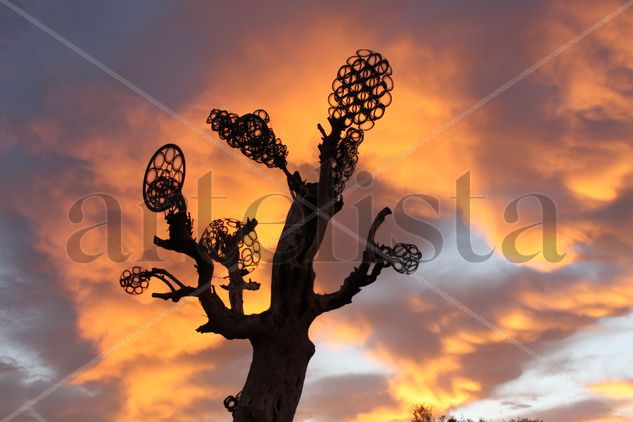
(617, 389)
(292, 83)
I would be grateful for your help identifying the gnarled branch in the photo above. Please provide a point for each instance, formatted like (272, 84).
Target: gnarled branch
(366, 273)
(227, 322)
(226, 248)
(174, 294)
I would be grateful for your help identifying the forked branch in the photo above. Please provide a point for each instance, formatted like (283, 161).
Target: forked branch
(176, 293)
(233, 244)
(366, 273)
(222, 320)
(162, 185)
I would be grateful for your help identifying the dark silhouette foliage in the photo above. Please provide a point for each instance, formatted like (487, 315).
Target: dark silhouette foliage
(423, 413)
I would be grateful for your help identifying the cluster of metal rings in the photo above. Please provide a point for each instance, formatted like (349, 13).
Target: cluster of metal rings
(403, 257)
(346, 158)
(218, 238)
(251, 134)
(361, 90)
(231, 402)
(135, 281)
(164, 178)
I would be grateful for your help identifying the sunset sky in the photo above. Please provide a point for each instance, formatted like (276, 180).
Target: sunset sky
(525, 97)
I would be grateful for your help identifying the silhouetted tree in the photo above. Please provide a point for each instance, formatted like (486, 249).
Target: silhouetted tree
(279, 335)
(422, 413)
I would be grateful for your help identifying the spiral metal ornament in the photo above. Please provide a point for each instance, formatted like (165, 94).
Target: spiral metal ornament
(251, 134)
(135, 281)
(218, 237)
(344, 164)
(403, 257)
(231, 402)
(361, 90)
(164, 178)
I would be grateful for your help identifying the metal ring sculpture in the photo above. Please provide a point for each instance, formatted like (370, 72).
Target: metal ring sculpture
(216, 241)
(231, 402)
(361, 90)
(344, 164)
(135, 281)
(164, 178)
(403, 257)
(251, 134)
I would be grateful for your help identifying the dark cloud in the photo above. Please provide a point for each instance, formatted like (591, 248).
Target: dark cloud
(584, 410)
(177, 52)
(336, 398)
(40, 345)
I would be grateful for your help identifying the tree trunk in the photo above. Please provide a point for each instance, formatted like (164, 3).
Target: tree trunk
(275, 379)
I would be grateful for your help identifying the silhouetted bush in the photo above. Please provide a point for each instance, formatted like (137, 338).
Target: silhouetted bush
(423, 413)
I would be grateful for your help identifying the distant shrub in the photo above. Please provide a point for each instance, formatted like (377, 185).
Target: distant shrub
(422, 413)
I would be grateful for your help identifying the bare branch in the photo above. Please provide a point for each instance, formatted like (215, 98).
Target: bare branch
(244, 230)
(164, 280)
(327, 156)
(180, 236)
(251, 285)
(311, 211)
(363, 275)
(297, 186)
(380, 218)
(159, 272)
(176, 295)
(226, 247)
(227, 322)
(316, 204)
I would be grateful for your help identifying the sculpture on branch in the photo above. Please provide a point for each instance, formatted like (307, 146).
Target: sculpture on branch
(279, 335)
